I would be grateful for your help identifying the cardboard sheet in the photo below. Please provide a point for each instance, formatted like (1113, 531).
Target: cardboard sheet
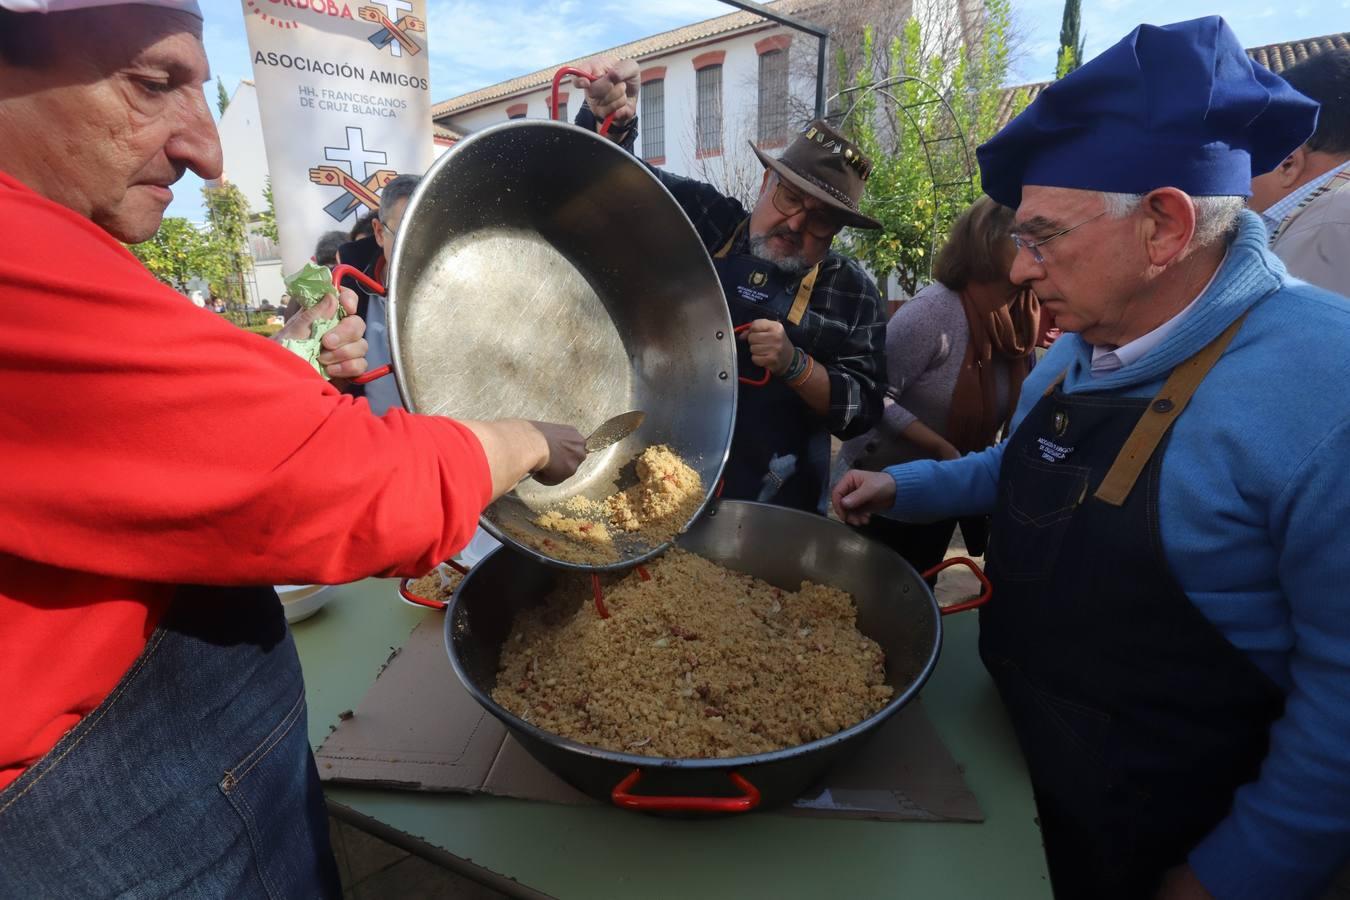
(418, 729)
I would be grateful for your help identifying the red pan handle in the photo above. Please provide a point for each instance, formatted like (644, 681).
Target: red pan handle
(558, 76)
(370, 284)
(373, 375)
(599, 592)
(748, 800)
(342, 271)
(406, 593)
(405, 590)
(601, 610)
(979, 573)
(753, 382)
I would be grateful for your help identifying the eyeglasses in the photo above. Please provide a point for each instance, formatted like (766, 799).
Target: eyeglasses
(818, 224)
(1022, 243)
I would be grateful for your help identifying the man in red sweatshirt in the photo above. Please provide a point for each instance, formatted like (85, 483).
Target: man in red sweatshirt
(154, 458)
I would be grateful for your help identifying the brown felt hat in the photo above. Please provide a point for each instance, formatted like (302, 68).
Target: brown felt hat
(825, 165)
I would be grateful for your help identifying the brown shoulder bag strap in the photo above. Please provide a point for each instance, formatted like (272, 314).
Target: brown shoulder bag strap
(1169, 403)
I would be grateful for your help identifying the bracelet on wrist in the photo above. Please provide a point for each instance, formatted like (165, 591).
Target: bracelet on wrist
(796, 366)
(805, 375)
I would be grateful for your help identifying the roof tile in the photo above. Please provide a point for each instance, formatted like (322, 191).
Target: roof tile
(1278, 57)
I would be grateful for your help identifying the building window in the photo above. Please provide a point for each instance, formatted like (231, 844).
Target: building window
(709, 110)
(561, 113)
(773, 97)
(517, 110)
(653, 119)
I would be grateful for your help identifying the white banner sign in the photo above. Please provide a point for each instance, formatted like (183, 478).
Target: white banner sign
(344, 96)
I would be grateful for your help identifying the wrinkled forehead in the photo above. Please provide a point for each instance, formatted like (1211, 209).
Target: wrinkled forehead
(1048, 209)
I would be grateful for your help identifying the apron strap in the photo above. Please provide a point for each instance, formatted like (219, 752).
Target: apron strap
(803, 298)
(1169, 403)
(726, 248)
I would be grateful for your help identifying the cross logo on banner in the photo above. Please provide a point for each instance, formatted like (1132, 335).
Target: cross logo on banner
(393, 34)
(357, 190)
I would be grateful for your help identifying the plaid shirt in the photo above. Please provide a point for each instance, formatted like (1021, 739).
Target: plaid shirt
(845, 327)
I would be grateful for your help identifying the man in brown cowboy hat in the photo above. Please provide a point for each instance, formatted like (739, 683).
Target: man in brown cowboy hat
(810, 320)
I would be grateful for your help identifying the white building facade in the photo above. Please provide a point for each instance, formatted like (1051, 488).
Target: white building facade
(708, 92)
(712, 89)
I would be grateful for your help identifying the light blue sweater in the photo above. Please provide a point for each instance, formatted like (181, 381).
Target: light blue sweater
(1255, 488)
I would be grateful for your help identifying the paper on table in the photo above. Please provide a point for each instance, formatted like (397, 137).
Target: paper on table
(418, 729)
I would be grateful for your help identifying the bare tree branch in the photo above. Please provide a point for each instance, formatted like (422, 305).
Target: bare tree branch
(735, 171)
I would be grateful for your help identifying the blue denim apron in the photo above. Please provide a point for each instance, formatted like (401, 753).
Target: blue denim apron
(1138, 718)
(193, 778)
(779, 448)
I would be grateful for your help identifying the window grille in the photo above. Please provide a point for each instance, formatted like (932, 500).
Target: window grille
(710, 109)
(773, 96)
(652, 119)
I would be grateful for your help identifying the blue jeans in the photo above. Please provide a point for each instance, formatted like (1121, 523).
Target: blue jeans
(194, 778)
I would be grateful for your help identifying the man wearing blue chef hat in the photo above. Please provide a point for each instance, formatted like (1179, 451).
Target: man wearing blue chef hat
(1170, 628)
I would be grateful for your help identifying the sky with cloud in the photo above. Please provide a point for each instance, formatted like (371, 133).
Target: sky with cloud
(476, 43)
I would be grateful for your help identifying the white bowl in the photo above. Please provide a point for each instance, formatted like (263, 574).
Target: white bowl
(478, 547)
(300, 601)
(405, 585)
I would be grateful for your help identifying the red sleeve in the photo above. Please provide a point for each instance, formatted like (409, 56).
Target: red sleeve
(142, 437)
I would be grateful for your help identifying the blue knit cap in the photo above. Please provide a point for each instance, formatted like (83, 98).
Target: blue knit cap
(1172, 106)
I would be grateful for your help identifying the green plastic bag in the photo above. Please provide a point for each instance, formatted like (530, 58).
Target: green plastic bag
(310, 285)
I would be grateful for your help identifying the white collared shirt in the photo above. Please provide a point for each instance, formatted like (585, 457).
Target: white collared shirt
(1107, 359)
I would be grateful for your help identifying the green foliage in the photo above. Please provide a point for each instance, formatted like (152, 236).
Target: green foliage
(923, 173)
(218, 254)
(176, 254)
(1065, 62)
(222, 98)
(229, 260)
(264, 330)
(267, 219)
(1070, 41)
(235, 317)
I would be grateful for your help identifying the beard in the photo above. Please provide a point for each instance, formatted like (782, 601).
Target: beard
(791, 264)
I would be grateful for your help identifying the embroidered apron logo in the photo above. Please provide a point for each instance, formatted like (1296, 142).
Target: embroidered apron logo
(1061, 423)
(1052, 452)
(751, 281)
